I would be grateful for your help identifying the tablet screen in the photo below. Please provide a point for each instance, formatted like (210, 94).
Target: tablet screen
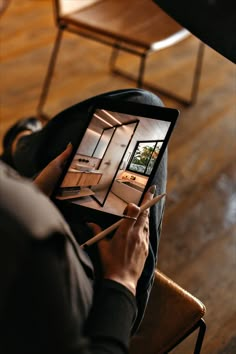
(117, 157)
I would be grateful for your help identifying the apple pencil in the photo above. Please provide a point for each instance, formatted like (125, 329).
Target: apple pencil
(114, 226)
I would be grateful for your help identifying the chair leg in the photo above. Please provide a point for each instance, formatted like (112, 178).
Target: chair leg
(196, 77)
(197, 73)
(141, 70)
(200, 337)
(139, 79)
(140, 82)
(114, 55)
(48, 78)
(201, 327)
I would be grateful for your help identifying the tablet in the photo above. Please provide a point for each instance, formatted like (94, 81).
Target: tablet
(115, 161)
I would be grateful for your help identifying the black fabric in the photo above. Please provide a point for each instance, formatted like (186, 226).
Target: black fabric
(110, 294)
(212, 21)
(37, 315)
(31, 123)
(47, 297)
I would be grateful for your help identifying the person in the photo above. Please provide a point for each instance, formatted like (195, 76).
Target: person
(53, 299)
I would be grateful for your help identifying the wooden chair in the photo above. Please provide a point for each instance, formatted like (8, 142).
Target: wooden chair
(172, 314)
(138, 27)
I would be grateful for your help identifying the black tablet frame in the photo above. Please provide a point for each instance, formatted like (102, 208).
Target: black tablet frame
(129, 108)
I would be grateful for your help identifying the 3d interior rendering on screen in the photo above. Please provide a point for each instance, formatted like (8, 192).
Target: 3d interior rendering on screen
(113, 161)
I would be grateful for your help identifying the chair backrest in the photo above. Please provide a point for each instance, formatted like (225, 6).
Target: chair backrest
(171, 313)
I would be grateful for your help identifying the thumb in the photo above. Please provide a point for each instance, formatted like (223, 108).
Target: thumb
(48, 177)
(61, 159)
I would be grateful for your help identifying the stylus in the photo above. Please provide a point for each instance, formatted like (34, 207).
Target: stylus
(114, 226)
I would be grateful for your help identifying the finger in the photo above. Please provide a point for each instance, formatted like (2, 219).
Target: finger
(131, 211)
(48, 178)
(149, 194)
(144, 216)
(61, 159)
(143, 219)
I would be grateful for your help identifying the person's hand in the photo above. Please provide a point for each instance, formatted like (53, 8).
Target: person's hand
(123, 256)
(48, 177)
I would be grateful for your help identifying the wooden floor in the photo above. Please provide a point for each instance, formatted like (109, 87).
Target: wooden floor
(198, 246)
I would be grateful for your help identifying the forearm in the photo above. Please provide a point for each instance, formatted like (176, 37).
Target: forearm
(111, 317)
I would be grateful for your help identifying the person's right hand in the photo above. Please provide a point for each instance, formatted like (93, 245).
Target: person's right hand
(123, 256)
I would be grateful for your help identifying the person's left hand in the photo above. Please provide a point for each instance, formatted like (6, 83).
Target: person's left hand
(48, 177)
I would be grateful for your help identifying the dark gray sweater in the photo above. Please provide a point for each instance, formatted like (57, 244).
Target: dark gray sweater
(49, 302)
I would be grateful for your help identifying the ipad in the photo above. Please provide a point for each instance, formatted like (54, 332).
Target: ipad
(115, 161)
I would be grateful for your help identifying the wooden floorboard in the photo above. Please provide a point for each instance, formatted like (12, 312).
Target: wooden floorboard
(198, 246)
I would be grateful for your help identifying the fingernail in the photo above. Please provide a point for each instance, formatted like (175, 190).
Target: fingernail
(152, 189)
(69, 144)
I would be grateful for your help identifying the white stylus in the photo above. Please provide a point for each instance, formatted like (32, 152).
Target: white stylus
(114, 226)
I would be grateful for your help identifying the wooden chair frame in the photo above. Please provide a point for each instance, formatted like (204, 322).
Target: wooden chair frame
(201, 327)
(128, 45)
(172, 314)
